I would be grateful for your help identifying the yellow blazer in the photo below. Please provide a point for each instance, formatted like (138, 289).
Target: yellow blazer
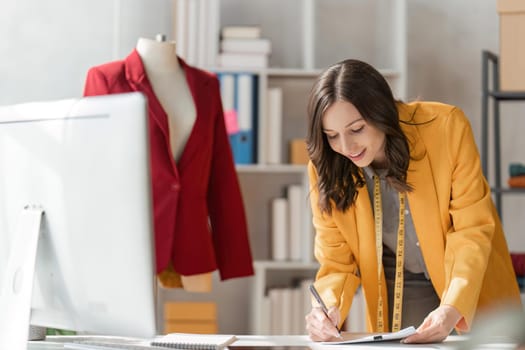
(457, 226)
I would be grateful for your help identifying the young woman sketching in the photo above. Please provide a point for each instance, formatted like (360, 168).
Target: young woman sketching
(400, 208)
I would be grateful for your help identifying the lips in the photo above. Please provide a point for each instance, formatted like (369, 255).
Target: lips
(357, 157)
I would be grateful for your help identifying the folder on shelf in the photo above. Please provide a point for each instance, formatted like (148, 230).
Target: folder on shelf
(246, 105)
(227, 90)
(239, 101)
(242, 147)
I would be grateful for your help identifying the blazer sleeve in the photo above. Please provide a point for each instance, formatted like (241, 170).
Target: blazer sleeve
(225, 204)
(468, 243)
(337, 278)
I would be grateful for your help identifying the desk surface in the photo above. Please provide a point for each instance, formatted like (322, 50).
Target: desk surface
(452, 342)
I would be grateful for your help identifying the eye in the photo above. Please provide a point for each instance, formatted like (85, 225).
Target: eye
(331, 137)
(358, 130)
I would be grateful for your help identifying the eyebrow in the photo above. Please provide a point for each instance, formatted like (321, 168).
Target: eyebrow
(347, 125)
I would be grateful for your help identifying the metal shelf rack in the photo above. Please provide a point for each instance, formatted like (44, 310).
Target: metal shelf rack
(491, 90)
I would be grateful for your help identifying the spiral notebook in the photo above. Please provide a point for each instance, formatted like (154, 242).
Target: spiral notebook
(194, 341)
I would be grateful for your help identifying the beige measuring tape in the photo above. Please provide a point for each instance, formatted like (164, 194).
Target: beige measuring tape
(400, 257)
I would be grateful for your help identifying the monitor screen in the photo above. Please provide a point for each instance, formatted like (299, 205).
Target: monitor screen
(85, 162)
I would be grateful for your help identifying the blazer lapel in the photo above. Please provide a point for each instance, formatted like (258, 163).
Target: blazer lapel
(367, 259)
(201, 99)
(364, 218)
(424, 207)
(136, 76)
(138, 81)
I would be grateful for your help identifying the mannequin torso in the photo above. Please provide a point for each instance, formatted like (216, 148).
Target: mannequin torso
(171, 89)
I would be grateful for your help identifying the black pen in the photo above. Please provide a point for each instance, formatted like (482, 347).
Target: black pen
(321, 302)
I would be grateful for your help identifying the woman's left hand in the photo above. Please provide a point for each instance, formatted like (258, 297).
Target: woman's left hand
(436, 326)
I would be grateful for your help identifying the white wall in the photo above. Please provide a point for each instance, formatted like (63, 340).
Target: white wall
(445, 40)
(46, 48)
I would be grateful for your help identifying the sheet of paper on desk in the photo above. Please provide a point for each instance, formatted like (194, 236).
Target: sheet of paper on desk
(352, 338)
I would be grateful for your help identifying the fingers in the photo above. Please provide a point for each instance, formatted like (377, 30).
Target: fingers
(432, 334)
(334, 315)
(320, 327)
(436, 326)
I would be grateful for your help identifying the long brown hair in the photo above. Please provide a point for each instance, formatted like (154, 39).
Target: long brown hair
(359, 83)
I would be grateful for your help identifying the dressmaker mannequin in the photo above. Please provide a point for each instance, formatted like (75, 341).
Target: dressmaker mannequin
(171, 89)
(194, 235)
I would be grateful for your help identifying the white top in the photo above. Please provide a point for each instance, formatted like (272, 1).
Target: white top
(414, 261)
(171, 89)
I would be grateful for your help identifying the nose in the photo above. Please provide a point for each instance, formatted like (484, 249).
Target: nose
(347, 146)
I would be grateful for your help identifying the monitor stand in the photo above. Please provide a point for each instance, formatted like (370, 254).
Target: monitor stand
(18, 281)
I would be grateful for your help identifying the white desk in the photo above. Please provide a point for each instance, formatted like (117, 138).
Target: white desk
(452, 342)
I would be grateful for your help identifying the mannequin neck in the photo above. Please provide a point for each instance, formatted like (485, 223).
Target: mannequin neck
(158, 56)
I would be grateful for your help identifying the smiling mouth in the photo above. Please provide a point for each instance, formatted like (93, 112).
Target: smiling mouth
(357, 155)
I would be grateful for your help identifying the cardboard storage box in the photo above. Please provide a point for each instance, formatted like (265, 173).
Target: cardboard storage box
(512, 44)
(190, 317)
(298, 152)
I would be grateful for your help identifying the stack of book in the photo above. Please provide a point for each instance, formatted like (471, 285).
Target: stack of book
(286, 307)
(243, 47)
(291, 241)
(197, 30)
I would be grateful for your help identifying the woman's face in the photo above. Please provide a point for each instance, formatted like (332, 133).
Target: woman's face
(351, 136)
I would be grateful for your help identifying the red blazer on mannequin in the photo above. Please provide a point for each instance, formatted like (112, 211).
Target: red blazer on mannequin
(202, 185)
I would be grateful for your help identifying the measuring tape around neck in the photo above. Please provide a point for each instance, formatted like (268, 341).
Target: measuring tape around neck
(400, 257)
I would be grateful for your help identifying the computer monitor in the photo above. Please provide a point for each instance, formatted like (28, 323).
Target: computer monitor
(85, 163)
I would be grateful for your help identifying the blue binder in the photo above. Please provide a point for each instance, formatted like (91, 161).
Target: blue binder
(242, 147)
(245, 102)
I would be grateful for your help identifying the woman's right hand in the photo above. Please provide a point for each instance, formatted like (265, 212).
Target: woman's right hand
(322, 328)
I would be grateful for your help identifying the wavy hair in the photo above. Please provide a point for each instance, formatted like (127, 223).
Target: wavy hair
(363, 86)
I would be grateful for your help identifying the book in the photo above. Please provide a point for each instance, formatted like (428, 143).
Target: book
(276, 305)
(241, 32)
(352, 338)
(294, 194)
(194, 341)
(261, 45)
(242, 60)
(273, 132)
(279, 225)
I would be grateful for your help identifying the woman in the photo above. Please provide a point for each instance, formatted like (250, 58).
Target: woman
(400, 207)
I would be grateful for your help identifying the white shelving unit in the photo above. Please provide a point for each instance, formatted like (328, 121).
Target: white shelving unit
(306, 36)
(272, 274)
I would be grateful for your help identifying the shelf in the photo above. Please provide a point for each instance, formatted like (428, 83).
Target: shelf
(507, 190)
(306, 37)
(508, 95)
(285, 265)
(291, 72)
(312, 73)
(271, 168)
(490, 89)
